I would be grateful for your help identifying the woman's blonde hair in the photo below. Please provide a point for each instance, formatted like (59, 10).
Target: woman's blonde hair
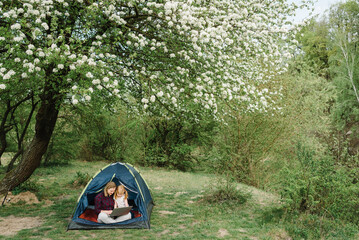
(122, 191)
(108, 185)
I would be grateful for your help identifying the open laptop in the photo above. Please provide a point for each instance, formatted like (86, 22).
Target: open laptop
(120, 211)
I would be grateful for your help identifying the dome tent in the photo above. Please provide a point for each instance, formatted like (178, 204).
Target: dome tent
(139, 197)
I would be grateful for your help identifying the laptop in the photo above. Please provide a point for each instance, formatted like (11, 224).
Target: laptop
(120, 211)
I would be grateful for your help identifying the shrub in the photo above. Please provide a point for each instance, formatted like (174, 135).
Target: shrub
(171, 143)
(81, 179)
(63, 146)
(319, 186)
(108, 136)
(226, 192)
(244, 146)
(28, 185)
(309, 226)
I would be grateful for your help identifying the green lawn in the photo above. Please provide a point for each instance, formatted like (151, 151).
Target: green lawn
(180, 211)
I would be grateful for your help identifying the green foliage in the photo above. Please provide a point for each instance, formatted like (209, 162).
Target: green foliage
(243, 147)
(225, 191)
(100, 138)
(253, 146)
(319, 186)
(81, 179)
(28, 185)
(314, 41)
(107, 136)
(346, 108)
(63, 146)
(344, 63)
(308, 226)
(171, 143)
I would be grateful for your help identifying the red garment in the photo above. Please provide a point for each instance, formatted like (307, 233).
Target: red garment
(103, 203)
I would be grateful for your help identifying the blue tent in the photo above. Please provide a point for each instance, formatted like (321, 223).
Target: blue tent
(139, 197)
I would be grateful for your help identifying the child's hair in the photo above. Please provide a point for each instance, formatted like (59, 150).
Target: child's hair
(108, 185)
(121, 190)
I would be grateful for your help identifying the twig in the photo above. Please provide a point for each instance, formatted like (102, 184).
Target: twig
(2, 204)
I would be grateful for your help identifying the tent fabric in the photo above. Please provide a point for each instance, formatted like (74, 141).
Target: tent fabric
(139, 197)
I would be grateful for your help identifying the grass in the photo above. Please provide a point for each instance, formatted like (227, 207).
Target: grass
(181, 211)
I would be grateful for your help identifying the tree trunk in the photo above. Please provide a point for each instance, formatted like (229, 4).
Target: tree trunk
(3, 132)
(45, 124)
(20, 137)
(10, 109)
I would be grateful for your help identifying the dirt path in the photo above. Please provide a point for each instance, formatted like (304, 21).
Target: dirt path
(11, 225)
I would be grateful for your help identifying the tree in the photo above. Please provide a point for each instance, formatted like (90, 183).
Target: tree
(345, 26)
(314, 41)
(343, 62)
(166, 57)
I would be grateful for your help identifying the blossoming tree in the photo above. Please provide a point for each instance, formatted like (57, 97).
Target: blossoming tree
(179, 56)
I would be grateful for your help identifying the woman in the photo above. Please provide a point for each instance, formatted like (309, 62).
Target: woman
(104, 204)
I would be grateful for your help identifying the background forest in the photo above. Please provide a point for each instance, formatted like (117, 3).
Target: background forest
(306, 150)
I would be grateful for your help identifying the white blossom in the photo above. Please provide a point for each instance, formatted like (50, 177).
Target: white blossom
(96, 81)
(45, 26)
(18, 39)
(89, 75)
(226, 50)
(16, 26)
(75, 101)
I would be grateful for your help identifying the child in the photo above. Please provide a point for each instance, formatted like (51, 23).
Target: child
(120, 196)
